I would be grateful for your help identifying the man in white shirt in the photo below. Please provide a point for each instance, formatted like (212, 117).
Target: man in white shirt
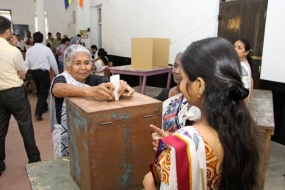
(39, 59)
(13, 97)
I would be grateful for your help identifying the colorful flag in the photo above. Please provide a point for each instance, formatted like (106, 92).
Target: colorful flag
(67, 3)
(80, 2)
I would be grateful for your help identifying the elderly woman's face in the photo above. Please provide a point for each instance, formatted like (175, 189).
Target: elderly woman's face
(80, 67)
(176, 70)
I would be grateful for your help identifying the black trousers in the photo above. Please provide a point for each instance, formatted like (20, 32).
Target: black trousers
(15, 101)
(42, 82)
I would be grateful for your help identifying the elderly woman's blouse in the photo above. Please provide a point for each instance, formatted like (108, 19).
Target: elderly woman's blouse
(91, 80)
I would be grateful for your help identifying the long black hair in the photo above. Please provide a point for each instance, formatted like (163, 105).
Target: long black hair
(247, 48)
(216, 62)
(103, 55)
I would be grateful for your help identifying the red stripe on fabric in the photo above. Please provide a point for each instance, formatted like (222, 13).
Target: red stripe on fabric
(182, 161)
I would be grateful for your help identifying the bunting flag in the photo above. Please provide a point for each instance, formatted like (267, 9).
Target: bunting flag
(80, 2)
(67, 3)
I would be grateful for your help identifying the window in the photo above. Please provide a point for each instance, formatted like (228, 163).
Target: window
(6, 13)
(36, 22)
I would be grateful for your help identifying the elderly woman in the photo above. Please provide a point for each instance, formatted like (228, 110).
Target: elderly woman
(76, 81)
(174, 103)
(167, 93)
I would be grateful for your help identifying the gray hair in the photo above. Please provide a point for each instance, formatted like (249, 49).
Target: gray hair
(73, 50)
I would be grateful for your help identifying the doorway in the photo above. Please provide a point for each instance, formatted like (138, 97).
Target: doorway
(245, 19)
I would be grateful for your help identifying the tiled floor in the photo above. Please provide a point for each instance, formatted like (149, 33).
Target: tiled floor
(15, 176)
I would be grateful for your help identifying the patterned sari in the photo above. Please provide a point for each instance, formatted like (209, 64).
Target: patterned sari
(180, 162)
(59, 131)
(176, 111)
(184, 160)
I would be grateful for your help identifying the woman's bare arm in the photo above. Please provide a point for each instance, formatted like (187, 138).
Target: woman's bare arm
(100, 92)
(148, 182)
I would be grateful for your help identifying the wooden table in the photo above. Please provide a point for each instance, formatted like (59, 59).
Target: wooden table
(261, 109)
(143, 74)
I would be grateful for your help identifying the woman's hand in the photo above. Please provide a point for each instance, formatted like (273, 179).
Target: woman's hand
(123, 87)
(102, 91)
(158, 134)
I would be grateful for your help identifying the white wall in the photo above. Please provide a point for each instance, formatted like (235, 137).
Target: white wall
(81, 21)
(273, 56)
(23, 12)
(83, 18)
(182, 21)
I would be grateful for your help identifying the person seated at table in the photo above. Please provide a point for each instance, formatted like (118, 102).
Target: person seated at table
(170, 92)
(220, 150)
(174, 102)
(76, 81)
(101, 63)
(243, 49)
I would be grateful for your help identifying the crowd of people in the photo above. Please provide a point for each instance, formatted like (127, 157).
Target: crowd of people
(75, 80)
(59, 44)
(207, 139)
(40, 59)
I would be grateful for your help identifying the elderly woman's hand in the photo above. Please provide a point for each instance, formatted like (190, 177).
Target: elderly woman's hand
(103, 91)
(123, 87)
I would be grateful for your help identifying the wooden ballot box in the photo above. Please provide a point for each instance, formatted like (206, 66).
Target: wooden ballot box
(110, 142)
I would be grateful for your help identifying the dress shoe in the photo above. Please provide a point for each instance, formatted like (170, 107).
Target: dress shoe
(2, 169)
(39, 118)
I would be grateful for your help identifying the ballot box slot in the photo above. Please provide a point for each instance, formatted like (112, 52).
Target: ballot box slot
(147, 116)
(106, 123)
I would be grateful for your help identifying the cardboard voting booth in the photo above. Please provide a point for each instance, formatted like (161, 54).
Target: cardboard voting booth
(149, 52)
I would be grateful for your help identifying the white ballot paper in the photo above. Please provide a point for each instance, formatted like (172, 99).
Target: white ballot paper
(115, 80)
